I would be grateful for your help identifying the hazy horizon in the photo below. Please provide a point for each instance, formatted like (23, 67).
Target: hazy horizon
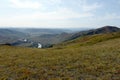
(59, 14)
(67, 28)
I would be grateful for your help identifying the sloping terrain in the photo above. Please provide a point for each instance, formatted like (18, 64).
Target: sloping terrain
(7, 35)
(102, 30)
(94, 57)
(89, 40)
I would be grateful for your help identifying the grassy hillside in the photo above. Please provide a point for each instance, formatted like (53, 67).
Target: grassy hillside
(105, 29)
(88, 40)
(94, 57)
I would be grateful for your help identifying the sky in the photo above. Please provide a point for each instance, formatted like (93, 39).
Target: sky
(59, 13)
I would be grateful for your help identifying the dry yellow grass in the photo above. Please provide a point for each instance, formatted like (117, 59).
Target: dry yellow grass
(96, 61)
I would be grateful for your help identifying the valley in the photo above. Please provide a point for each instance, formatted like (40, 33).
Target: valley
(46, 37)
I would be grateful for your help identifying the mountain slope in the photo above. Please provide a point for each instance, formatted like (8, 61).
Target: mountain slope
(7, 35)
(102, 30)
(89, 40)
(93, 60)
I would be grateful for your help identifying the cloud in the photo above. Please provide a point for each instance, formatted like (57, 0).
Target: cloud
(107, 19)
(63, 13)
(111, 16)
(57, 13)
(55, 1)
(86, 6)
(91, 7)
(61, 17)
(25, 4)
(60, 14)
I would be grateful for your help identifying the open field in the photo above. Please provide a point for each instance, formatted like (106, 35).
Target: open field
(90, 58)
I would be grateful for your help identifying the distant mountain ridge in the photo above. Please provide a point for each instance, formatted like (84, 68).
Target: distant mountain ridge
(7, 35)
(39, 31)
(102, 30)
(105, 29)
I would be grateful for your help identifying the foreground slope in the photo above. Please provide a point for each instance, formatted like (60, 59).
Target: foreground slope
(96, 58)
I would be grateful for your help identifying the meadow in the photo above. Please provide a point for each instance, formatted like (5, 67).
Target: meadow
(94, 57)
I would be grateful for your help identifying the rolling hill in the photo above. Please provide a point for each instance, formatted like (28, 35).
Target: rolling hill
(91, 57)
(8, 36)
(102, 30)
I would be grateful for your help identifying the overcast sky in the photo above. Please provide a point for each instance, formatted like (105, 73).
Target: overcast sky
(59, 13)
